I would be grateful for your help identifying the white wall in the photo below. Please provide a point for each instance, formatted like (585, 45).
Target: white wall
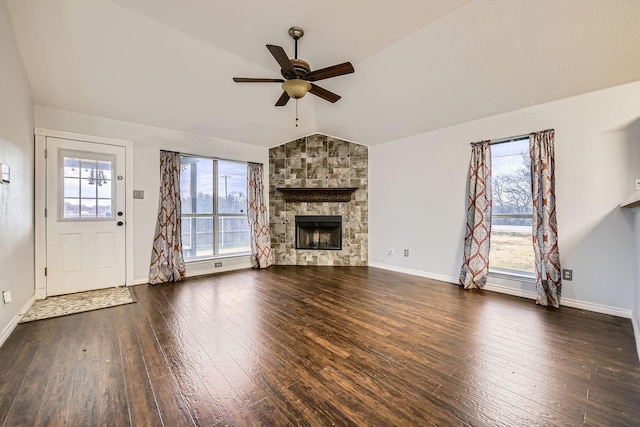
(16, 198)
(417, 194)
(147, 143)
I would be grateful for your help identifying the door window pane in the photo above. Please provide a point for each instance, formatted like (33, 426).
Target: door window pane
(87, 190)
(71, 208)
(104, 208)
(88, 208)
(72, 187)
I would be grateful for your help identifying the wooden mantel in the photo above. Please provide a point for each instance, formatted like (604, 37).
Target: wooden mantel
(342, 194)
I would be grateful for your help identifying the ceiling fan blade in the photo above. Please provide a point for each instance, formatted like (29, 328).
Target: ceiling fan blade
(283, 100)
(334, 71)
(252, 80)
(323, 93)
(283, 60)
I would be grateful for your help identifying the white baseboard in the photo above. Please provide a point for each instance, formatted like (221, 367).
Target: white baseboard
(14, 322)
(201, 268)
(419, 273)
(598, 308)
(567, 302)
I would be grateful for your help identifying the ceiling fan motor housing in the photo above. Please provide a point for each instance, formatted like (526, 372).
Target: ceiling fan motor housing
(300, 67)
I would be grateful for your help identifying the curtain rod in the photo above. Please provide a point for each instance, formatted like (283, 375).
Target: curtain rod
(512, 138)
(509, 139)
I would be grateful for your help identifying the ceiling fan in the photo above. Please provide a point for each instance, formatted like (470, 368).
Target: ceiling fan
(298, 77)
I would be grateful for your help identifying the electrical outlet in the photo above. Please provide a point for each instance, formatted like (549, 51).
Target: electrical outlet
(406, 252)
(217, 264)
(567, 274)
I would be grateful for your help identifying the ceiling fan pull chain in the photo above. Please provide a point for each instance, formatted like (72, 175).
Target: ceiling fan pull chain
(296, 112)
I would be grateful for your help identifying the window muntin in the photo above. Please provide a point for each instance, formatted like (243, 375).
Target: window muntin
(512, 212)
(214, 208)
(86, 185)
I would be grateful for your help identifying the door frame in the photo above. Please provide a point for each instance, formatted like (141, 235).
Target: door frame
(40, 166)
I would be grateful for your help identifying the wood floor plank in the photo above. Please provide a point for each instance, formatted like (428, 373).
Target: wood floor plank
(317, 346)
(186, 368)
(142, 404)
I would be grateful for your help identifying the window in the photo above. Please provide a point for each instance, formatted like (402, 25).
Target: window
(214, 208)
(86, 186)
(512, 214)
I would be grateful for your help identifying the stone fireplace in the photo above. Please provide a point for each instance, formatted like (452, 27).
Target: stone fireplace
(321, 177)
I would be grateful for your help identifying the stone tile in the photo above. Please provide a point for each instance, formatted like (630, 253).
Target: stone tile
(338, 148)
(357, 150)
(278, 233)
(317, 146)
(296, 149)
(317, 168)
(278, 152)
(361, 196)
(315, 183)
(296, 168)
(338, 168)
(276, 183)
(337, 182)
(358, 183)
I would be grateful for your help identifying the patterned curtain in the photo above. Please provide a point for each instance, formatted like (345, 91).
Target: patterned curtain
(258, 218)
(545, 227)
(475, 264)
(167, 263)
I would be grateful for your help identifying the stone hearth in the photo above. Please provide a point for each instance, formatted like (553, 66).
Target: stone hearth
(319, 162)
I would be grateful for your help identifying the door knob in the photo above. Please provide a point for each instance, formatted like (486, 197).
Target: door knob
(120, 223)
(120, 213)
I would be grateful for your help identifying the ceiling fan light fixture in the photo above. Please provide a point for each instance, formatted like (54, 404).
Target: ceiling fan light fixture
(296, 88)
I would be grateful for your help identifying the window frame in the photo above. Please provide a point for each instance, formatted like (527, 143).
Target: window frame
(507, 273)
(215, 215)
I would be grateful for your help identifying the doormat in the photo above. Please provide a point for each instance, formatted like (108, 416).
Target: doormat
(80, 302)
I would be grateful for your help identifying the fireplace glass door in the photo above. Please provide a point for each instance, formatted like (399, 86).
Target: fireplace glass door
(319, 232)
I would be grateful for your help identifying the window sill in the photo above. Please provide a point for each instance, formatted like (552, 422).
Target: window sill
(513, 275)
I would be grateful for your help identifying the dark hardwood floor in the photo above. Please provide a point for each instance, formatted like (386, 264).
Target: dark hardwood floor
(321, 346)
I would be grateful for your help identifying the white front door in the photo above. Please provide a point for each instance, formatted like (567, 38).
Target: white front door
(85, 222)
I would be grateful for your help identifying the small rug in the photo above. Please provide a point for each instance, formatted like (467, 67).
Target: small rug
(77, 303)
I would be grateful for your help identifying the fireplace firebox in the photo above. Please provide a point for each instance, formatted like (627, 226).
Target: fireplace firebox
(319, 232)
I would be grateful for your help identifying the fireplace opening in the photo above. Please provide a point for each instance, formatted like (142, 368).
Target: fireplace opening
(319, 232)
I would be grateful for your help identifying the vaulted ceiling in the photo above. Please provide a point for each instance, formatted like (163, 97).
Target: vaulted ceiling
(419, 64)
